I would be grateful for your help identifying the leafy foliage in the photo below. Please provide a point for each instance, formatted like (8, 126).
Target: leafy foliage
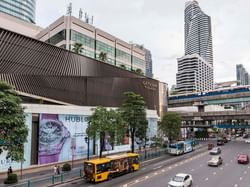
(134, 114)
(170, 125)
(139, 71)
(11, 179)
(77, 48)
(105, 121)
(103, 57)
(13, 131)
(66, 167)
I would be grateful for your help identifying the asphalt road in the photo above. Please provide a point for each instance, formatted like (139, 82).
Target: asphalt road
(147, 168)
(229, 174)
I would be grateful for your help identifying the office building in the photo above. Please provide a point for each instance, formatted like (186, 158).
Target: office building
(195, 68)
(242, 75)
(22, 9)
(198, 33)
(194, 74)
(68, 30)
(148, 60)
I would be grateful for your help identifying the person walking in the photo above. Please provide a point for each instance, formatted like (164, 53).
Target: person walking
(58, 170)
(55, 169)
(9, 170)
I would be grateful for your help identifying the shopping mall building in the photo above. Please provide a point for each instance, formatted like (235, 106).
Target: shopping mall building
(59, 88)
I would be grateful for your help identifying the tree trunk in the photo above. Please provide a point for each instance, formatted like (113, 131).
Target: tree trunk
(101, 144)
(133, 141)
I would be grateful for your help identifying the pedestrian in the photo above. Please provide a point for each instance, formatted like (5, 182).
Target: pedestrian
(9, 170)
(55, 169)
(58, 170)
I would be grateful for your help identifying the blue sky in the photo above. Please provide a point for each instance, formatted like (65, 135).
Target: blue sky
(159, 25)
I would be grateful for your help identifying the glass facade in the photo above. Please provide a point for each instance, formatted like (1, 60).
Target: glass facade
(83, 39)
(57, 37)
(138, 62)
(22, 9)
(123, 55)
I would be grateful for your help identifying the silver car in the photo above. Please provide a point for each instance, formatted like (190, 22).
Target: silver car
(215, 161)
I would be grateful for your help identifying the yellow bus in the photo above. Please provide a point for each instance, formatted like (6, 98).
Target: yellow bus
(102, 169)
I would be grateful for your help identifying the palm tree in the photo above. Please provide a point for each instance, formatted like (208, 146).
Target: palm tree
(139, 71)
(103, 57)
(77, 48)
(122, 66)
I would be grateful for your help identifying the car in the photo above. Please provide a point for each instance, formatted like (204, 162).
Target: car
(243, 159)
(181, 180)
(220, 141)
(245, 136)
(247, 140)
(215, 161)
(215, 151)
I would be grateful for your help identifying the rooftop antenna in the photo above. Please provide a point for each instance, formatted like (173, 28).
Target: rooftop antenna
(69, 9)
(80, 13)
(88, 19)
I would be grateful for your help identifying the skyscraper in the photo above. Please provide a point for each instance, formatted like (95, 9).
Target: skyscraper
(22, 9)
(198, 35)
(195, 68)
(148, 61)
(242, 75)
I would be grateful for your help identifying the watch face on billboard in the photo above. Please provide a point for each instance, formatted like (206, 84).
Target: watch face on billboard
(62, 137)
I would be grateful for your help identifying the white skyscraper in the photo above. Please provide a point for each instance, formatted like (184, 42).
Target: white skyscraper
(195, 73)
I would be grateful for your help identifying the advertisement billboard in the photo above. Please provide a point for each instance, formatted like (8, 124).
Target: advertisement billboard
(62, 137)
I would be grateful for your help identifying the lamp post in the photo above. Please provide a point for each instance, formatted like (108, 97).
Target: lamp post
(87, 141)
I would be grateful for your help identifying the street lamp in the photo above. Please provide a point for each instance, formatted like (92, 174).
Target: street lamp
(87, 141)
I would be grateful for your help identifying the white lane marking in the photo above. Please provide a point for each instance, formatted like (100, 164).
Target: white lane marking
(146, 177)
(245, 172)
(125, 185)
(169, 167)
(157, 167)
(214, 173)
(227, 164)
(200, 165)
(136, 181)
(240, 178)
(163, 170)
(156, 173)
(176, 165)
(221, 168)
(235, 185)
(231, 160)
(206, 179)
(192, 169)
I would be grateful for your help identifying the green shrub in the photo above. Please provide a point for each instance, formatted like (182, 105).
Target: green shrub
(11, 179)
(66, 167)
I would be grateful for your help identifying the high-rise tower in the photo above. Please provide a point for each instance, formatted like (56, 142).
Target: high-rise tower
(198, 34)
(22, 9)
(195, 68)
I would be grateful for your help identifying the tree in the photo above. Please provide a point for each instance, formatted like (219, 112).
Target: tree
(134, 114)
(170, 125)
(103, 57)
(77, 48)
(139, 71)
(13, 131)
(122, 66)
(103, 122)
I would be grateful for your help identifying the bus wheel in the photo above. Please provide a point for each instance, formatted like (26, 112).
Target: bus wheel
(109, 177)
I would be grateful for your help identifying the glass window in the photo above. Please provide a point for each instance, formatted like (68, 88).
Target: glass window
(138, 61)
(103, 167)
(83, 39)
(102, 47)
(60, 36)
(123, 55)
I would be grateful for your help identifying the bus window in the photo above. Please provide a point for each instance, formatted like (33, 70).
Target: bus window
(102, 167)
(135, 160)
(89, 168)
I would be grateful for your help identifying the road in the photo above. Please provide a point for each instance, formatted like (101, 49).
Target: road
(157, 174)
(229, 174)
(146, 168)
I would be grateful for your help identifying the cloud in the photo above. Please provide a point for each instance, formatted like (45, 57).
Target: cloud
(160, 27)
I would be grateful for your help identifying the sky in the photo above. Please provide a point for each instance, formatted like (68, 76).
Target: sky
(159, 26)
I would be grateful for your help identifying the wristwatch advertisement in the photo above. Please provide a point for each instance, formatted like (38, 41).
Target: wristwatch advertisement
(52, 136)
